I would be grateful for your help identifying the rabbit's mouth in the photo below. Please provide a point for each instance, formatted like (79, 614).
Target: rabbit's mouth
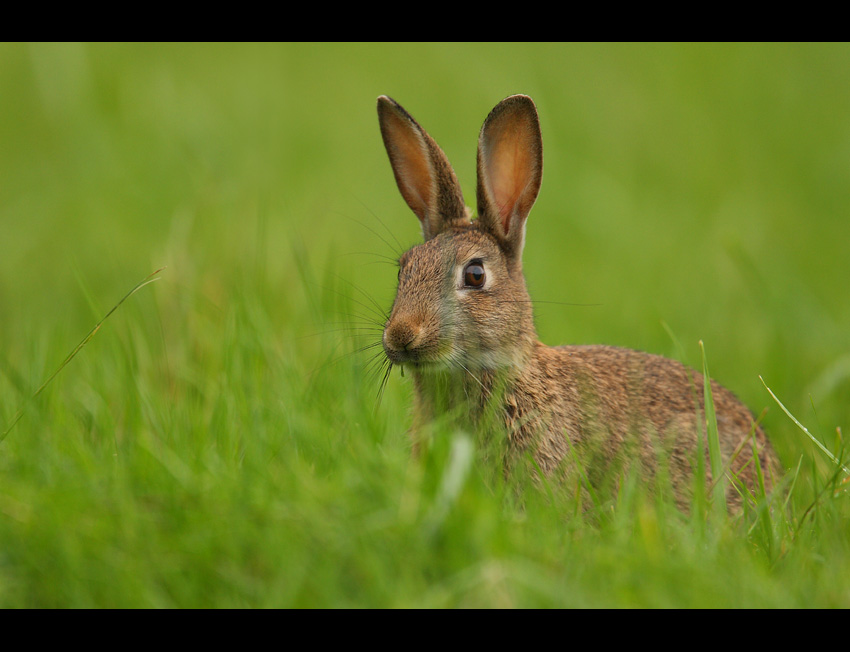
(401, 357)
(405, 350)
(417, 358)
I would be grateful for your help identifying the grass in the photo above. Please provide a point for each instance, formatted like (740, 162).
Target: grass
(218, 440)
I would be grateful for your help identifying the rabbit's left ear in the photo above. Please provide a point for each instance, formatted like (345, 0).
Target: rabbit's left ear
(510, 169)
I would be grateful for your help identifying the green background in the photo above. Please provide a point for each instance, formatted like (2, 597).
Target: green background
(216, 444)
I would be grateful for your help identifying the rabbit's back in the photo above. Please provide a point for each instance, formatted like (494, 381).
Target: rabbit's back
(624, 407)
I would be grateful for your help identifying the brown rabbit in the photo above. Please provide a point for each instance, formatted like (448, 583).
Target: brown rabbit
(462, 325)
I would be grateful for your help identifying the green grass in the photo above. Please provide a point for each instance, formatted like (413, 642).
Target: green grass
(218, 441)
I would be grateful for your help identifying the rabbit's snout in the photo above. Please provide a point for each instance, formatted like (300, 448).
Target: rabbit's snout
(400, 340)
(400, 336)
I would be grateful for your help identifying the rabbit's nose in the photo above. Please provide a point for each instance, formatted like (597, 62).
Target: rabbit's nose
(400, 336)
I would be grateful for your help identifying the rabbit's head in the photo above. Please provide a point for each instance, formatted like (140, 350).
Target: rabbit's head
(461, 301)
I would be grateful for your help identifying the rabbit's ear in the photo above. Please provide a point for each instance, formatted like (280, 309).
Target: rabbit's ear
(510, 168)
(422, 171)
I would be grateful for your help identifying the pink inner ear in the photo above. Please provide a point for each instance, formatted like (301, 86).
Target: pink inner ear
(509, 167)
(415, 174)
(411, 165)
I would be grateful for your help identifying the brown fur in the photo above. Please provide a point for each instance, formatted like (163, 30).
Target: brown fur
(474, 350)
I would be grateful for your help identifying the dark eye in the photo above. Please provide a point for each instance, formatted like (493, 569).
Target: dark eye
(473, 275)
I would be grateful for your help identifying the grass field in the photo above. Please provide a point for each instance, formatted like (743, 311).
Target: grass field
(218, 441)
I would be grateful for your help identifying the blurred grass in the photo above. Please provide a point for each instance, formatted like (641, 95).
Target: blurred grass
(213, 445)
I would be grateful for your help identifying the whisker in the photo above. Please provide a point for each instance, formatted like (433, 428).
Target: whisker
(368, 346)
(379, 309)
(381, 222)
(398, 249)
(386, 259)
(383, 384)
(375, 363)
(356, 317)
(554, 303)
(375, 308)
(466, 369)
(360, 331)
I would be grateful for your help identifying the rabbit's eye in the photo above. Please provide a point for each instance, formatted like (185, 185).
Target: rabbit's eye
(473, 275)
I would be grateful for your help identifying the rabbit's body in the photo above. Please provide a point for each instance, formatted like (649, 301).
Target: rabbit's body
(462, 325)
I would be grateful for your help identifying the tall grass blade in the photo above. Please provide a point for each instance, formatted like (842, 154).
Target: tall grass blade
(148, 279)
(823, 448)
(713, 438)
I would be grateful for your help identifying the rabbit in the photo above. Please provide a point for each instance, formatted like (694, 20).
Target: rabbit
(461, 324)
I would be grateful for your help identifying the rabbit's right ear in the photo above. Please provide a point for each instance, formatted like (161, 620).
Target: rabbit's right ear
(422, 171)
